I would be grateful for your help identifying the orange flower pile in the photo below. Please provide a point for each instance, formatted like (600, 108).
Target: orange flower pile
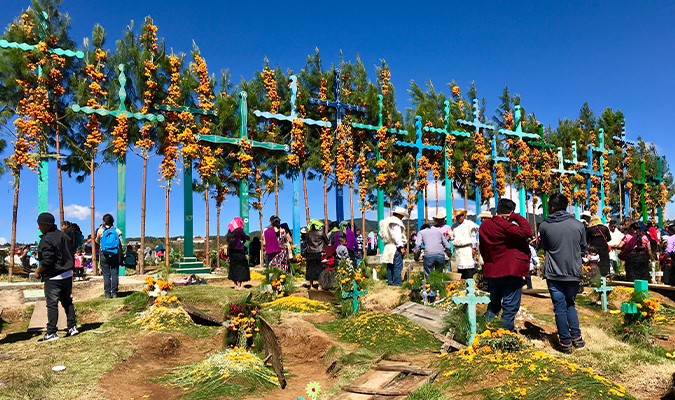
(95, 77)
(119, 135)
(270, 83)
(385, 77)
(423, 168)
(341, 170)
(363, 184)
(167, 167)
(483, 178)
(567, 186)
(501, 179)
(298, 149)
(455, 91)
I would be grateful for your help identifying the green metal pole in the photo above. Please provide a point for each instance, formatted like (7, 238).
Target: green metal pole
(644, 182)
(243, 184)
(544, 205)
(121, 197)
(187, 209)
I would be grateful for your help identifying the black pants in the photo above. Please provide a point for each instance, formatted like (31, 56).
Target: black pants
(78, 272)
(467, 273)
(55, 292)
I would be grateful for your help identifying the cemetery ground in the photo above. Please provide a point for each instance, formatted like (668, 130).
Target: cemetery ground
(114, 358)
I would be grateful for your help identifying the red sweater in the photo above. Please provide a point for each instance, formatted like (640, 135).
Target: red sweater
(503, 246)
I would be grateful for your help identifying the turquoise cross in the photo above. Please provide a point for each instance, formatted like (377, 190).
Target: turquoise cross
(243, 135)
(354, 294)
(446, 161)
(624, 143)
(375, 128)
(639, 286)
(339, 108)
(656, 180)
(575, 161)
(541, 143)
(604, 289)
(471, 300)
(121, 164)
(418, 146)
(477, 125)
(43, 174)
(642, 183)
(561, 167)
(290, 118)
(591, 172)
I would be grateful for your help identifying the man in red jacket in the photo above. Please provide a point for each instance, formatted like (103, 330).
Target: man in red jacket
(506, 256)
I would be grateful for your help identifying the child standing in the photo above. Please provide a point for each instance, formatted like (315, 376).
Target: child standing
(79, 265)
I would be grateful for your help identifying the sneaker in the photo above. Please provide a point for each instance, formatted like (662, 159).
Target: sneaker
(578, 343)
(49, 337)
(566, 348)
(72, 331)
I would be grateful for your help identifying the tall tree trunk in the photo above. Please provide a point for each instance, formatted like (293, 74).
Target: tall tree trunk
(59, 180)
(351, 203)
(363, 230)
(426, 205)
(262, 239)
(621, 212)
(510, 185)
(218, 209)
(143, 195)
(304, 192)
(391, 206)
(92, 208)
(15, 208)
(325, 204)
(436, 196)
(166, 228)
(452, 199)
(276, 190)
(466, 196)
(207, 260)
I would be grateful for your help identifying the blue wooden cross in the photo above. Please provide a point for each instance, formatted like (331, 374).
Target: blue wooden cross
(418, 146)
(624, 143)
(471, 300)
(561, 167)
(591, 172)
(477, 126)
(656, 180)
(518, 118)
(446, 161)
(575, 161)
(339, 109)
(604, 289)
(355, 293)
(541, 143)
(290, 118)
(375, 128)
(43, 174)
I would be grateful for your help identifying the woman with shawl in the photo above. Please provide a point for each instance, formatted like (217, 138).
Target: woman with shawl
(275, 245)
(316, 244)
(239, 271)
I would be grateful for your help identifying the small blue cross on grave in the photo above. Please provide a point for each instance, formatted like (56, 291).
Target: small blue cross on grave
(355, 295)
(604, 289)
(471, 300)
(631, 308)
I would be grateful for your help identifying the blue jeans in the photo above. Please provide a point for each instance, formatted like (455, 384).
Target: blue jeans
(110, 269)
(433, 262)
(505, 294)
(394, 270)
(563, 294)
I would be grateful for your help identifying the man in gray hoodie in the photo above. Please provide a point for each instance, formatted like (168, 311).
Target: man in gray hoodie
(564, 241)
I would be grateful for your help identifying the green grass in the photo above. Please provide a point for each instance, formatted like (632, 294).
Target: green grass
(220, 295)
(428, 391)
(382, 333)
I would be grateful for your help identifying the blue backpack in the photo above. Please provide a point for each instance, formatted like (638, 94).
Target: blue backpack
(110, 241)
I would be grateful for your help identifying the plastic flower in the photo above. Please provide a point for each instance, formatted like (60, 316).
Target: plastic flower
(313, 390)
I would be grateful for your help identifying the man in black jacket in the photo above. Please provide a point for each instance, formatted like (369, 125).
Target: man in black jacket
(55, 255)
(564, 240)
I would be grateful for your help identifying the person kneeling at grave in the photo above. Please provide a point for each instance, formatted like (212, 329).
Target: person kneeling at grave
(506, 256)
(55, 255)
(564, 241)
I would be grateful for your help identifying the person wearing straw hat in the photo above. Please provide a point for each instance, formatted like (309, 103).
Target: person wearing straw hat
(463, 237)
(393, 235)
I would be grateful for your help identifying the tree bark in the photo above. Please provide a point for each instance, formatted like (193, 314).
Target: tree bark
(262, 239)
(92, 208)
(143, 195)
(166, 228)
(351, 203)
(59, 179)
(207, 260)
(276, 190)
(621, 212)
(426, 207)
(304, 192)
(466, 196)
(436, 196)
(325, 205)
(218, 209)
(15, 208)
(452, 198)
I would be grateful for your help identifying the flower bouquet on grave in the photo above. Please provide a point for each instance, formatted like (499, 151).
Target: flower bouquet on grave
(639, 315)
(156, 288)
(243, 324)
(276, 284)
(346, 275)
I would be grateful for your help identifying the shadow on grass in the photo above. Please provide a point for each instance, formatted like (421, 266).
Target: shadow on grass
(534, 332)
(22, 336)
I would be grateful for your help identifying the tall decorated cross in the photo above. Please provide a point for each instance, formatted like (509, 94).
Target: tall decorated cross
(575, 161)
(561, 168)
(446, 161)
(243, 137)
(477, 126)
(471, 300)
(518, 118)
(625, 144)
(189, 261)
(592, 172)
(43, 171)
(339, 108)
(541, 143)
(656, 181)
(642, 182)
(121, 164)
(380, 194)
(418, 146)
(290, 118)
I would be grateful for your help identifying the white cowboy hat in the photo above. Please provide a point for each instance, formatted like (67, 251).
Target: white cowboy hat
(400, 211)
(440, 215)
(484, 215)
(458, 212)
(586, 214)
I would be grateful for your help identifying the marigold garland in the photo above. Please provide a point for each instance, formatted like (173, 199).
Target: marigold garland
(483, 178)
(167, 167)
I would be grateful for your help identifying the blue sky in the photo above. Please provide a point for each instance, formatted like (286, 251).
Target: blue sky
(556, 55)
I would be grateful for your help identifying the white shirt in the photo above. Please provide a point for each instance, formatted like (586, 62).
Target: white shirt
(396, 234)
(615, 239)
